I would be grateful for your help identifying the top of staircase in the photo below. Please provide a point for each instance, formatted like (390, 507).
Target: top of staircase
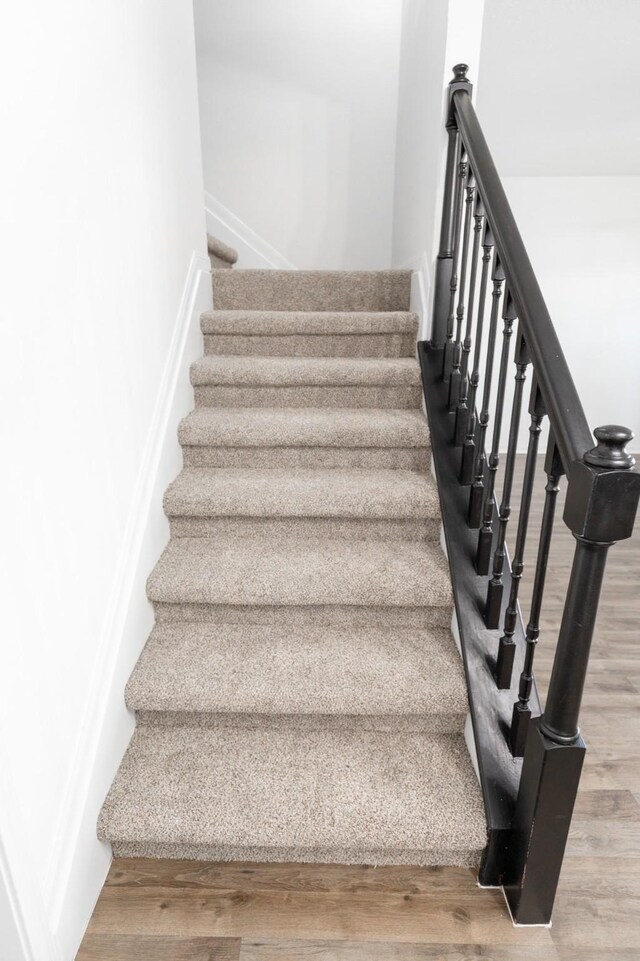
(371, 290)
(221, 252)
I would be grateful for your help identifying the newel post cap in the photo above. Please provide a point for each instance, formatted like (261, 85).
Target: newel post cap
(604, 490)
(609, 451)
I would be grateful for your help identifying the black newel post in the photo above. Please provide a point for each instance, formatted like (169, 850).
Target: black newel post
(602, 499)
(444, 261)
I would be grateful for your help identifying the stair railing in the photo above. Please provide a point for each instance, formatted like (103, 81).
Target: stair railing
(529, 759)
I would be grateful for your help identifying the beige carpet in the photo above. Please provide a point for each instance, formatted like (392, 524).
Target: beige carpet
(220, 254)
(301, 697)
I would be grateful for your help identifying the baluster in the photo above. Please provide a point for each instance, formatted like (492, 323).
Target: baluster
(521, 711)
(468, 448)
(447, 357)
(476, 497)
(485, 536)
(506, 650)
(496, 586)
(456, 375)
(462, 410)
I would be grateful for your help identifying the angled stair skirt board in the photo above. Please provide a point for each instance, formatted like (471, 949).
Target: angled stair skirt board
(253, 250)
(301, 697)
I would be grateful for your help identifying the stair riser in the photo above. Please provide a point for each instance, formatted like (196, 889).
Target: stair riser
(308, 396)
(400, 529)
(335, 615)
(192, 852)
(312, 290)
(398, 458)
(444, 723)
(312, 345)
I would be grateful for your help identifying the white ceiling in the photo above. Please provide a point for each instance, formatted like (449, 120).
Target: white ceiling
(559, 89)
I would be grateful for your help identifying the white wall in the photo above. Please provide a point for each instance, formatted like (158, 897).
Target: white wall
(559, 86)
(298, 107)
(558, 106)
(102, 244)
(435, 36)
(583, 238)
(420, 132)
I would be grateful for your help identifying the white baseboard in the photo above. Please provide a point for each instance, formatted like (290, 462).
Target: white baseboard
(79, 862)
(25, 934)
(253, 250)
(420, 292)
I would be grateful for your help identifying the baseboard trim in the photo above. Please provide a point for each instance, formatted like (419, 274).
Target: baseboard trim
(420, 292)
(253, 250)
(26, 934)
(79, 863)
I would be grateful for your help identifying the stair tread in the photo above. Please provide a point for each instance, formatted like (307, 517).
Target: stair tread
(190, 667)
(247, 492)
(318, 371)
(302, 571)
(274, 322)
(304, 427)
(318, 795)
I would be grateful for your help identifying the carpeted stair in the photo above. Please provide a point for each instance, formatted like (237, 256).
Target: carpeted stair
(220, 254)
(301, 697)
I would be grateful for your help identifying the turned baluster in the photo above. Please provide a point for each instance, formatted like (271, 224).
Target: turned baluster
(521, 710)
(448, 355)
(455, 376)
(506, 650)
(462, 410)
(496, 585)
(485, 536)
(469, 446)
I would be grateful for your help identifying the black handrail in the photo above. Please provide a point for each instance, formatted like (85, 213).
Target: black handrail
(528, 810)
(564, 408)
(566, 414)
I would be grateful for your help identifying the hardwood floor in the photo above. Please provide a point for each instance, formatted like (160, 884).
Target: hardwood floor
(185, 911)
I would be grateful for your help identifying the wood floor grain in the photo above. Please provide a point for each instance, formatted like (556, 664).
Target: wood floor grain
(187, 911)
(305, 903)
(98, 947)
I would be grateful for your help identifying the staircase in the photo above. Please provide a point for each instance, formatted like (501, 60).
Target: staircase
(301, 697)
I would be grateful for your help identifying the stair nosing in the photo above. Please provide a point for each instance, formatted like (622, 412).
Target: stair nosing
(412, 495)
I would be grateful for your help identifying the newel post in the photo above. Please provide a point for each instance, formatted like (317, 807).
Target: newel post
(601, 504)
(444, 272)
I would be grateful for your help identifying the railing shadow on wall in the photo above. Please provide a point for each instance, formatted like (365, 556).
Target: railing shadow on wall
(529, 759)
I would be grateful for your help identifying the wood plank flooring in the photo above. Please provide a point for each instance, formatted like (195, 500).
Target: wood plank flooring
(185, 911)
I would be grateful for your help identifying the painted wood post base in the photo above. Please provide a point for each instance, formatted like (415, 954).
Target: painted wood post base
(547, 794)
(442, 294)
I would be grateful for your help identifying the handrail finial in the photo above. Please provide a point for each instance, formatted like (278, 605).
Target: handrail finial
(460, 73)
(459, 82)
(610, 449)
